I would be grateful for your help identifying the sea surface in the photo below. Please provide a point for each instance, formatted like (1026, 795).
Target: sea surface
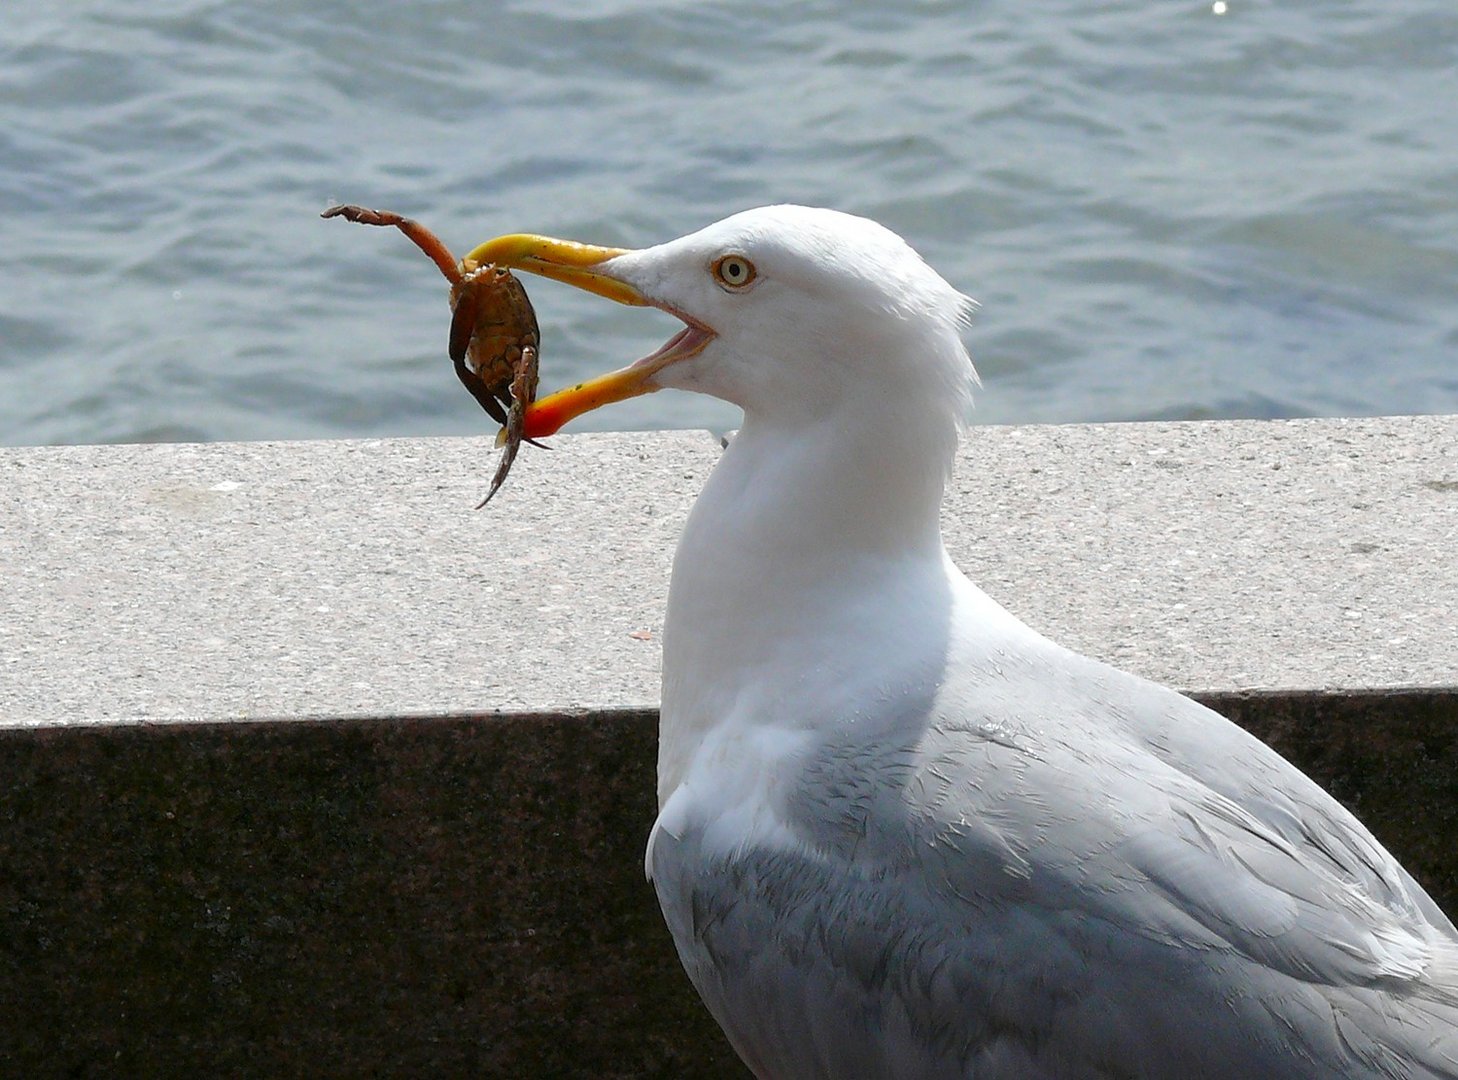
(1167, 209)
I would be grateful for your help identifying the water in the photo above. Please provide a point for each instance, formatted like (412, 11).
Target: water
(1166, 211)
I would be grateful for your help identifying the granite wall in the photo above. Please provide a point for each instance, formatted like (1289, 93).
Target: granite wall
(441, 896)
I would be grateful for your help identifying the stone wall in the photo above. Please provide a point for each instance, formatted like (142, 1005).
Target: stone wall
(310, 769)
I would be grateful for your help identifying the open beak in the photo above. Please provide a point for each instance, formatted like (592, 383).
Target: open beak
(587, 267)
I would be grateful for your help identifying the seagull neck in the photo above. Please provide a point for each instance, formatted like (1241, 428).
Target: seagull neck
(826, 493)
(800, 565)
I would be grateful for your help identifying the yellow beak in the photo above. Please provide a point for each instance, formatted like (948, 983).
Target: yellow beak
(561, 260)
(579, 265)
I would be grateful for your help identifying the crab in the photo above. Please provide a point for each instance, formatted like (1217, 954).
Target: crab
(494, 341)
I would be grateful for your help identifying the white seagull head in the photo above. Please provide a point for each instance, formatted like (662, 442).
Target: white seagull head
(796, 314)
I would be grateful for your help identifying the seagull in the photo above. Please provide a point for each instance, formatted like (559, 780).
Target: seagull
(900, 833)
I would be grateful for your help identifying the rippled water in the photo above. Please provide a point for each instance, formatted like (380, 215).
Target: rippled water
(1165, 211)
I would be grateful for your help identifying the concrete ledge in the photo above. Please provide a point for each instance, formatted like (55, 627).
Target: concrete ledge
(422, 854)
(232, 581)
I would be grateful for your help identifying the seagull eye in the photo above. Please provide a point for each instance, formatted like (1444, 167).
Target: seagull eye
(734, 271)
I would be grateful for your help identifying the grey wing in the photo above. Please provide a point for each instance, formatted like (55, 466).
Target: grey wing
(1014, 893)
(1165, 821)
(1228, 761)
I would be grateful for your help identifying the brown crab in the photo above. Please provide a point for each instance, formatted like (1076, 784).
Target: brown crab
(494, 339)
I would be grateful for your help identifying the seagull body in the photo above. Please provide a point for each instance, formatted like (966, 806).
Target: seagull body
(902, 834)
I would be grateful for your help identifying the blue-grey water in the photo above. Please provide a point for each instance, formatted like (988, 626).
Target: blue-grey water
(1167, 208)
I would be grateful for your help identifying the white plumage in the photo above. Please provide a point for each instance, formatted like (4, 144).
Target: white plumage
(904, 835)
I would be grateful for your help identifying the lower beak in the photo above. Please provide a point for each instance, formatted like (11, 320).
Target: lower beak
(585, 266)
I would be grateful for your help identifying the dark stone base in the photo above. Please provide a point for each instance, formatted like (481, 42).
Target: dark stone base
(456, 896)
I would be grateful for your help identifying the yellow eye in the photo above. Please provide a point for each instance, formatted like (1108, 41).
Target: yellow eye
(734, 271)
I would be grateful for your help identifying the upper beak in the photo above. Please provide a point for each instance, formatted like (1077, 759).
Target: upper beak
(582, 265)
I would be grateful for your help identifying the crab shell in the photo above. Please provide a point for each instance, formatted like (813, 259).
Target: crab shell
(492, 326)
